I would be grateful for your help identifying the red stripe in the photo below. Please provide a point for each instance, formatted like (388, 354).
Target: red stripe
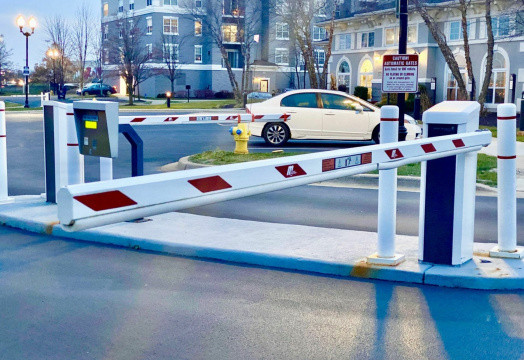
(428, 148)
(137, 120)
(507, 157)
(105, 201)
(214, 118)
(70, 114)
(388, 119)
(209, 184)
(258, 117)
(394, 154)
(2, 136)
(507, 118)
(192, 118)
(2, 109)
(285, 117)
(171, 119)
(458, 143)
(72, 144)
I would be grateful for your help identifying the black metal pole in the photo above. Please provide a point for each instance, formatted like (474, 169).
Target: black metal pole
(27, 67)
(402, 49)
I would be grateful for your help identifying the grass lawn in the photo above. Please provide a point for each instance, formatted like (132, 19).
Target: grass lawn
(485, 167)
(10, 106)
(197, 104)
(493, 130)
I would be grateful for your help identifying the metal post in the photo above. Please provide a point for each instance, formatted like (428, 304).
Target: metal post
(387, 195)
(3, 155)
(26, 87)
(137, 149)
(402, 49)
(507, 183)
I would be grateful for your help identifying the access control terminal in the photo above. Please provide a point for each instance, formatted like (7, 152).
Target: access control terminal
(97, 128)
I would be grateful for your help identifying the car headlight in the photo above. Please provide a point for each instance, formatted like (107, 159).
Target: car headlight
(410, 120)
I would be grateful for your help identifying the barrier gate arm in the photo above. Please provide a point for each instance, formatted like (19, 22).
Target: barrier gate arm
(201, 119)
(95, 204)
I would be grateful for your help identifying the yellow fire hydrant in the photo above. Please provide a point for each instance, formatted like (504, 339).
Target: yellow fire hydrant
(241, 134)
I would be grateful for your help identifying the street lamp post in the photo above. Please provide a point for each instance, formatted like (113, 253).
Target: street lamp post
(32, 24)
(53, 54)
(402, 49)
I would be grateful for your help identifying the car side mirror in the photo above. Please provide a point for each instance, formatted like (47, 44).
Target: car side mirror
(359, 109)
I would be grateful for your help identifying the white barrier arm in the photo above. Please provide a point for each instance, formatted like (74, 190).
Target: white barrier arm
(201, 119)
(96, 204)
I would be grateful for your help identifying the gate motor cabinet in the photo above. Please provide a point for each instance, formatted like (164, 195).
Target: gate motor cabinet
(97, 128)
(447, 207)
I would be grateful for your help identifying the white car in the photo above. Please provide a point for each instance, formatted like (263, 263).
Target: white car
(321, 115)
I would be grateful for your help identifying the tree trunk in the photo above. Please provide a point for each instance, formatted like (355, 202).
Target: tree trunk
(465, 35)
(489, 58)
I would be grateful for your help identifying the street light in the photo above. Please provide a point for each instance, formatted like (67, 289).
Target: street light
(20, 21)
(53, 54)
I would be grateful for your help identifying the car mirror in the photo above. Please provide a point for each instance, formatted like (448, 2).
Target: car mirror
(358, 108)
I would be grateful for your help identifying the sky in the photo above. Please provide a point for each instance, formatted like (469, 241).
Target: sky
(41, 9)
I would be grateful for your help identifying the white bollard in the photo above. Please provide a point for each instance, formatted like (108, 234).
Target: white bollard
(387, 195)
(3, 155)
(106, 169)
(75, 161)
(507, 183)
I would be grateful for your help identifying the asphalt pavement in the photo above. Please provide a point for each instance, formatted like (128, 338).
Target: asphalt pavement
(63, 299)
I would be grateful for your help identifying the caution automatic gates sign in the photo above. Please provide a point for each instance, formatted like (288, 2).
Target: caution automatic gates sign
(400, 74)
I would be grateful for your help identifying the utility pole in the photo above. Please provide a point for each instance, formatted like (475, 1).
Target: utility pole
(402, 7)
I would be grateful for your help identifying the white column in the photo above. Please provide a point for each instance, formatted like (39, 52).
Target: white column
(387, 195)
(106, 169)
(3, 155)
(507, 183)
(74, 158)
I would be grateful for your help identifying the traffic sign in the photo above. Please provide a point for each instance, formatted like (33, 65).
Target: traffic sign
(400, 74)
(26, 70)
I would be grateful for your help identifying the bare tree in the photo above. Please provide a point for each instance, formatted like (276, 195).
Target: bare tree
(5, 55)
(489, 57)
(81, 38)
(97, 49)
(301, 16)
(231, 24)
(59, 34)
(168, 51)
(128, 51)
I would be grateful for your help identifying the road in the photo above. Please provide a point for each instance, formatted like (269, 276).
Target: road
(343, 208)
(72, 300)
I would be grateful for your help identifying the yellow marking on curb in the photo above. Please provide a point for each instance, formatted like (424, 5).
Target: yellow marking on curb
(363, 270)
(49, 227)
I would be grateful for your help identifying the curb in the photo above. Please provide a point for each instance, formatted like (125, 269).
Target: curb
(370, 181)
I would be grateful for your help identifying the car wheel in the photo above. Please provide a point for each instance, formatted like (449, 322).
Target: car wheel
(107, 92)
(276, 134)
(376, 134)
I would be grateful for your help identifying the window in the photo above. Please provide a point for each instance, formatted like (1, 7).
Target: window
(170, 52)
(149, 2)
(106, 9)
(149, 48)
(497, 84)
(455, 30)
(171, 2)
(367, 39)
(392, 35)
(170, 25)
(344, 42)
(149, 25)
(366, 75)
(282, 31)
(229, 33)
(198, 27)
(337, 102)
(452, 88)
(500, 26)
(106, 32)
(120, 6)
(232, 58)
(198, 3)
(282, 56)
(344, 74)
(306, 100)
(319, 33)
(131, 4)
(198, 53)
(320, 57)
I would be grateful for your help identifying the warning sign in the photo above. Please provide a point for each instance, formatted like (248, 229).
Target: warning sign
(400, 74)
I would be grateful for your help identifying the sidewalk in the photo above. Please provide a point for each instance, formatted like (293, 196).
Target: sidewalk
(293, 247)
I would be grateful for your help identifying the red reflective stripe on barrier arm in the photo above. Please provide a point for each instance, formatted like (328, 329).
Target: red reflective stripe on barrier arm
(214, 118)
(428, 148)
(258, 117)
(253, 117)
(209, 184)
(239, 118)
(388, 119)
(507, 118)
(394, 154)
(105, 201)
(192, 118)
(292, 170)
(137, 120)
(2, 110)
(171, 119)
(70, 114)
(72, 144)
(458, 143)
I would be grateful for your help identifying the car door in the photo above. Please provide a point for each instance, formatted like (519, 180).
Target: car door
(341, 118)
(306, 115)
